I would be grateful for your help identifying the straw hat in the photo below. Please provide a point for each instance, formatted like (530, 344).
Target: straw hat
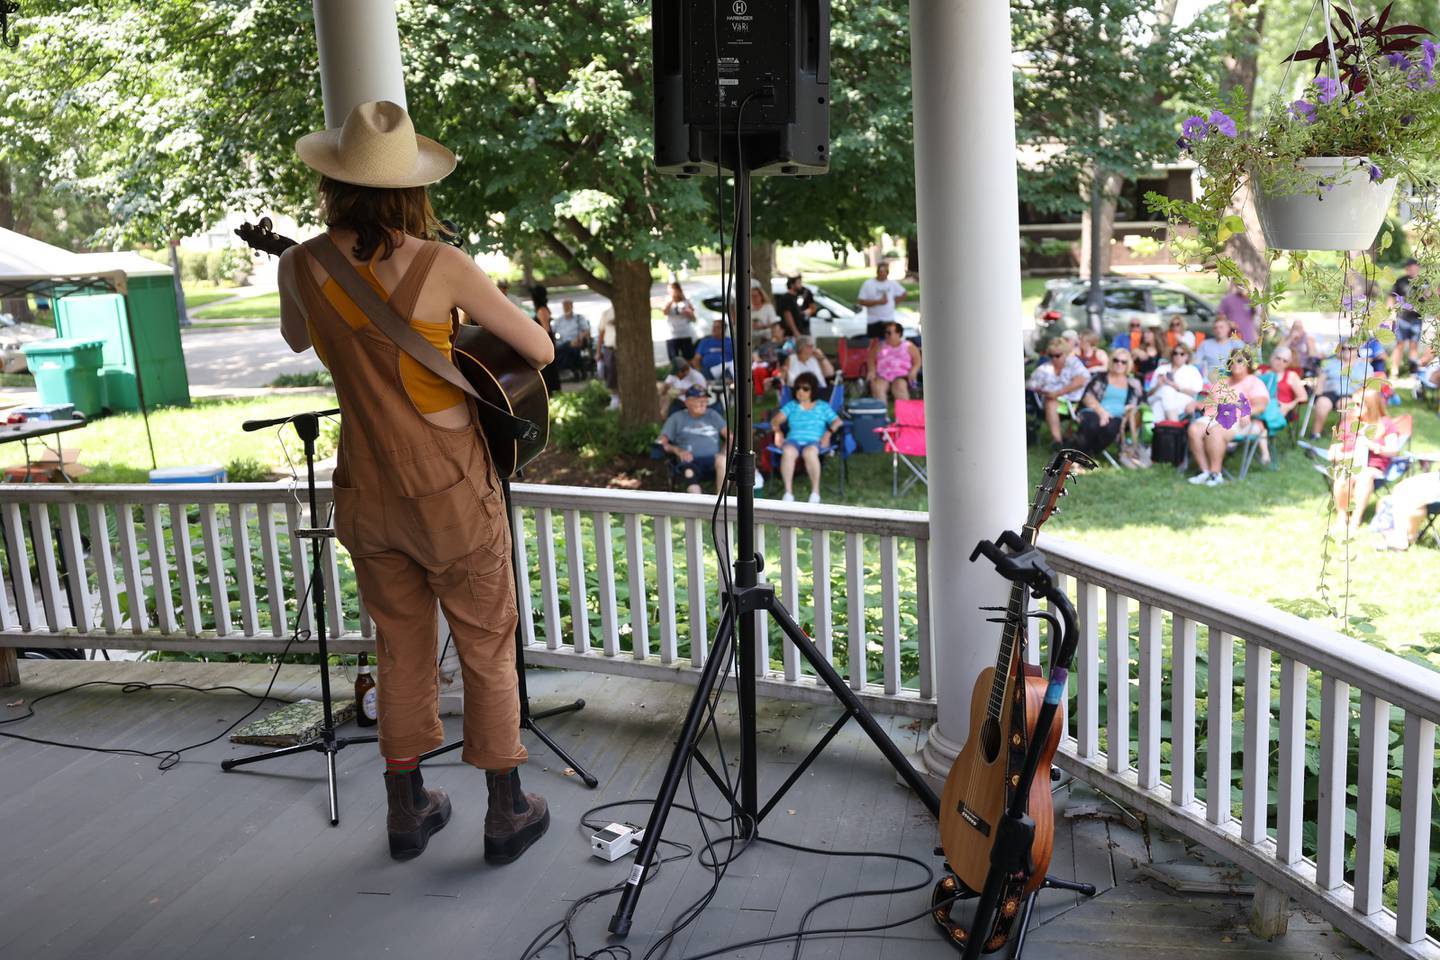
(377, 147)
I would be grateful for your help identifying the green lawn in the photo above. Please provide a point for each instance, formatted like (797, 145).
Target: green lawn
(265, 306)
(208, 431)
(201, 296)
(1260, 539)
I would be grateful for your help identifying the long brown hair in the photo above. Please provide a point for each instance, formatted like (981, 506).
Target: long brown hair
(375, 213)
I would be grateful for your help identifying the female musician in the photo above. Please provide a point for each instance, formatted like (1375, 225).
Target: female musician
(417, 501)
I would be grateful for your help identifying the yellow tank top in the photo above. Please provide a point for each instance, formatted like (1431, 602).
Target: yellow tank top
(428, 392)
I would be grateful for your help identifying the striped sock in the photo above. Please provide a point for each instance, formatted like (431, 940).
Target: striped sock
(402, 764)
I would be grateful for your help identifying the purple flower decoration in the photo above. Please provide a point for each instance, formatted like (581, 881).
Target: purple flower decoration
(1329, 88)
(1303, 110)
(1222, 123)
(1226, 414)
(1244, 405)
(1428, 52)
(1398, 60)
(1375, 175)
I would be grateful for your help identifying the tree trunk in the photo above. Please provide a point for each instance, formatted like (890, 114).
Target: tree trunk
(1111, 188)
(634, 342)
(7, 198)
(762, 262)
(1242, 39)
(912, 256)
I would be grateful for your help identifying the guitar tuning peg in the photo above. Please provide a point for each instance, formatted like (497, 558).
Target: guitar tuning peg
(993, 608)
(1054, 511)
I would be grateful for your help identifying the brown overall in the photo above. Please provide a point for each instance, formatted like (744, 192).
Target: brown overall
(421, 512)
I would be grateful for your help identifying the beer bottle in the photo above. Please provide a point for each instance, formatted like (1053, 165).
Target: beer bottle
(367, 706)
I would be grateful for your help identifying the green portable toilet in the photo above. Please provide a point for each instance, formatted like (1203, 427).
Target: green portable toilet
(67, 371)
(156, 323)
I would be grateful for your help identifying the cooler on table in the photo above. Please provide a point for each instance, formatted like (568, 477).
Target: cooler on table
(204, 473)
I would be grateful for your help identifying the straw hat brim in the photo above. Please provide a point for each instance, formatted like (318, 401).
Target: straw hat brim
(320, 152)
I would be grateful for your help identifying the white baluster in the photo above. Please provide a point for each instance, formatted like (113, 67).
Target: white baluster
(299, 566)
(130, 566)
(790, 597)
(696, 586)
(890, 614)
(549, 588)
(1148, 655)
(1289, 814)
(524, 605)
(1219, 726)
(665, 588)
(855, 608)
(762, 619)
(1182, 712)
(77, 582)
(579, 594)
(274, 578)
(1417, 794)
(605, 571)
(244, 575)
(20, 568)
(44, 543)
(215, 564)
(824, 616)
(1117, 680)
(1370, 783)
(922, 619)
(639, 605)
(1087, 662)
(1255, 816)
(104, 568)
(1334, 746)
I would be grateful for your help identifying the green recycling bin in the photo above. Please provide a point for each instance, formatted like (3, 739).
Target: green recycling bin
(68, 371)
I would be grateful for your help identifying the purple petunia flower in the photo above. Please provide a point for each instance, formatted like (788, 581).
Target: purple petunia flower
(1244, 405)
(1303, 110)
(1223, 124)
(1329, 88)
(1426, 66)
(1398, 60)
(1226, 414)
(1375, 175)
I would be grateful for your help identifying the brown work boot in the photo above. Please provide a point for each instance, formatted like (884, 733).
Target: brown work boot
(415, 813)
(515, 819)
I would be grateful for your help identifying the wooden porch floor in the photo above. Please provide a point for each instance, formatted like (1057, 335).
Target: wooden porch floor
(104, 856)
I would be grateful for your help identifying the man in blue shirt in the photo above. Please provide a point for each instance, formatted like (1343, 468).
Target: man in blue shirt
(714, 352)
(697, 438)
(1213, 355)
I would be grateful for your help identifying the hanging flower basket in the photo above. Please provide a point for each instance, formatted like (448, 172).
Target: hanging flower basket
(1344, 212)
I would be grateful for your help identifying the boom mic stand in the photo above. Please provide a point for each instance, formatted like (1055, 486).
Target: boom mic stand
(527, 719)
(743, 599)
(307, 426)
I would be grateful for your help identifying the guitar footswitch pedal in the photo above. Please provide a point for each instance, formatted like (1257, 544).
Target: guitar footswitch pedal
(615, 841)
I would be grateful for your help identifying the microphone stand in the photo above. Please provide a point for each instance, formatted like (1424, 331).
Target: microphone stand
(307, 427)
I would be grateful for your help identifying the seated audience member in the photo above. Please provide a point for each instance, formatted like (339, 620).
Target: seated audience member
(762, 312)
(1410, 505)
(1341, 376)
(1175, 386)
(812, 422)
(1109, 406)
(715, 352)
(1130, 339)
(1146, 355)
(674, 387)
(572, 336)
(696, 437)
(810, 359)
(1214, 353)
(1369, 441)
(1060, 377)
(896, 364)
(1289, 384)
(1090, 353)
(1209, 440)
(776, 348)
(1301, 344)
(1176, 331)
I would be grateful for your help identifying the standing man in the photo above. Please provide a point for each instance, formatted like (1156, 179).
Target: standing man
(1235, 306)
(572, 336)
(1403, 299)
(878, 296)
(795, 307)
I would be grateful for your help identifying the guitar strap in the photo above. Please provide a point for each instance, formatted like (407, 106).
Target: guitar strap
(390, 323)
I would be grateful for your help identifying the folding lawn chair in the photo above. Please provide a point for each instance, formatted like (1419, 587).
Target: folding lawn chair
(1274, 423)
(1399, 466)
(905, 438)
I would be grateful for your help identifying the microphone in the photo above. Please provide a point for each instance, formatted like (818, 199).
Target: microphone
(250, 426)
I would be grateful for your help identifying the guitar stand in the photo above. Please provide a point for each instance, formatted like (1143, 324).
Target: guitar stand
(527, 719)
(1018, 562)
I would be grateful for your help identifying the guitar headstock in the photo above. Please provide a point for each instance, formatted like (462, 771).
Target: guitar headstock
(1057, 473)
(262, 236)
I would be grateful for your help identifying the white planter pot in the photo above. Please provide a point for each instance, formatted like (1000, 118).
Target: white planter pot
(1346, 216)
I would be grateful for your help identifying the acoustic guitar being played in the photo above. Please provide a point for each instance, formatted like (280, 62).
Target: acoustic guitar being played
(511, 390)
(1003, 711)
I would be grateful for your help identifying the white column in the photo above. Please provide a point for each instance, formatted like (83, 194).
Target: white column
(970, 261)
(359, 55)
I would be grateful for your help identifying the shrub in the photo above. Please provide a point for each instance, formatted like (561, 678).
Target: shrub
(309, 378)
(583, 423)
(246, 470)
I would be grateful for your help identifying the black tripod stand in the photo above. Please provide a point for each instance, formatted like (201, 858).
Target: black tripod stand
(744, 598)
(527, 719)
(307, 426)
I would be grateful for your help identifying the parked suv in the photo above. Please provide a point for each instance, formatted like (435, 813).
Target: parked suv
(1063, 307)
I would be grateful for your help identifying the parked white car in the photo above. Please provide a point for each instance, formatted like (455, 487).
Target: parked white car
(834, 318)
(13, 336)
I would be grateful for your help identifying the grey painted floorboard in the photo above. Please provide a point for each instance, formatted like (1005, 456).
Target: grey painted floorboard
(107, 857)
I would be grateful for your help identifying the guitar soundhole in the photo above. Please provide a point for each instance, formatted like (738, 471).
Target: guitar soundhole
(990, 739)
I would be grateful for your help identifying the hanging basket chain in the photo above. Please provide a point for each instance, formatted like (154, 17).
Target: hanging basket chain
(8, 10)
(1290, 60)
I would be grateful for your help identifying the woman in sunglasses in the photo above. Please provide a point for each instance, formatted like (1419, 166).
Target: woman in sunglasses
(1109, 404)
(812, 422)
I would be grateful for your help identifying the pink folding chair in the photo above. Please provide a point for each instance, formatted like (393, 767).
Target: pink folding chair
(905, 438)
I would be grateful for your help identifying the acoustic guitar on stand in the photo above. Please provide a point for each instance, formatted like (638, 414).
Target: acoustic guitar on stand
(1003, 711)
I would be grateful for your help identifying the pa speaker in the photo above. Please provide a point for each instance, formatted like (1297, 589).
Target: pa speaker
(742, 75)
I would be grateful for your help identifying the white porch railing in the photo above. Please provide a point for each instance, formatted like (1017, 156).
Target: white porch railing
(1257, 761)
